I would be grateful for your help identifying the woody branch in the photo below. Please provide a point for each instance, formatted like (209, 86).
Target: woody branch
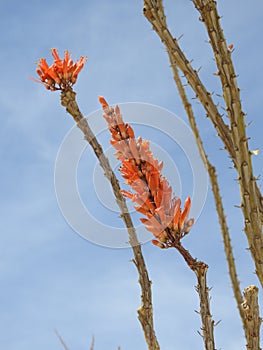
(215, 189)
(251, 197)
(233, 137)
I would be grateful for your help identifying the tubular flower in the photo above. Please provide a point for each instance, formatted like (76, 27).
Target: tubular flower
(62, 73)
(151, 191)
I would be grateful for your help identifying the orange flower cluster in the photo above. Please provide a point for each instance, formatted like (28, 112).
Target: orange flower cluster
(152, 192)
(62, 73)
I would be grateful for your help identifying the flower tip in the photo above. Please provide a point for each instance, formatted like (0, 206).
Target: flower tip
(83, 59)
(54, 52)
(62, 73)
(184, 213)
(188, 201)
(103, 102)
(187, 206)
(158, 244)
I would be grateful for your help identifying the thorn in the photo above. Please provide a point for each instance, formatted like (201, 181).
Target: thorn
(201, 19)
(217, 73)
(217, 323)
(200, 334)
(180, 37)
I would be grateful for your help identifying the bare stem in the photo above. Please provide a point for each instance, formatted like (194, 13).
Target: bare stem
(200, 270)
(253, 320)
(251, 198)
(145, 312)
(203, 291)
(153, 11)
(234, 138)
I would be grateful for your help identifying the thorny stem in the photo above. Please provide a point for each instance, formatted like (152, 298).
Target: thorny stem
(252, 318)
(145, 312)
(234, 138)
(215, 189)
(251, 199)
(153, 11)
(200, 270)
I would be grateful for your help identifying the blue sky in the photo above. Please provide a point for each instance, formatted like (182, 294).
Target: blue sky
(51, 278)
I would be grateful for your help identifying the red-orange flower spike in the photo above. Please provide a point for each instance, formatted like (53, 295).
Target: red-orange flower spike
(151, 191)
(62, 73)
